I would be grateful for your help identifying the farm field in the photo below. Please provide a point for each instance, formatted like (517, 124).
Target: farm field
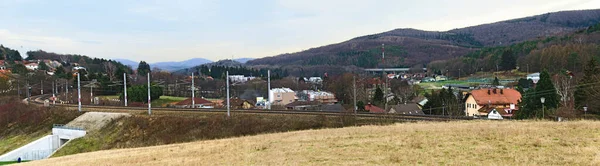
(427, 143)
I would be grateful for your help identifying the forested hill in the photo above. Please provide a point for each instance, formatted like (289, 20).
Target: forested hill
(410, 47)
(94, 65)
(556, 54)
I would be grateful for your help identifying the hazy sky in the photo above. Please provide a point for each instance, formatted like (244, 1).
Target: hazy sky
(174, 30)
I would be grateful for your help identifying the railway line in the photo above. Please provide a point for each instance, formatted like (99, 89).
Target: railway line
(400, 117)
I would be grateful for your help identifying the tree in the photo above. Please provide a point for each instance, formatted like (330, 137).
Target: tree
(531, 105)
(143, 68)
(508, 60)
(110, 70)
(525, 83)
(584, 86)
(545, 88)
(43, 66)
(19, 69)
(139, 93)
(496, 82)
(404, 92)
(378, 96)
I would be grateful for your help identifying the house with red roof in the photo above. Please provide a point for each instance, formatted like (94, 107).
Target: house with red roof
(481, 102)
(373, 109)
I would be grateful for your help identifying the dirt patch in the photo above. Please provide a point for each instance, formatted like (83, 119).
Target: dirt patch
(94, 121)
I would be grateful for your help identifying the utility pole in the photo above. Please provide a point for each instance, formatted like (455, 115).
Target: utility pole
(193, 95)
(19, 89)
(385, 76)
(149, 100)
(66, 90)
(354, 85)
(125, 88)
(91, 93)
(269, 88)
(79, 91)
(28, 92)
(54, 89)
(228, 109)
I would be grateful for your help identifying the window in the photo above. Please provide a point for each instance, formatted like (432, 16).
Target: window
(278, 95)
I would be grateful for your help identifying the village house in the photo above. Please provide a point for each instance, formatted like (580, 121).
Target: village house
(239, 104)
(240, 78)
(481, 102)
(406, 108)
(32, 66)
(373, 109)
(198, 103)
(535, 77)
(320, 96)
(281, 96)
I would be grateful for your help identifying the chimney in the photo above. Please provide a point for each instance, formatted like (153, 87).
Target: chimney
(495, 91)
(501, 91)
(489, 91)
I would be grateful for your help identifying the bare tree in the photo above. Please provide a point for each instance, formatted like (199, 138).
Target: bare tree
(110, 69)
(565, 88)
(64, 59)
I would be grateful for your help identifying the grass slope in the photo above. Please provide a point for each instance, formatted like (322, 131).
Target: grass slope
(168, 128)
(20, 124)
(451, 143)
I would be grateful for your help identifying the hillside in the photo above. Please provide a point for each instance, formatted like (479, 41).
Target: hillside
(21, 124)
(452, 143)
(409, 47)
(569, 51)
(169, 128)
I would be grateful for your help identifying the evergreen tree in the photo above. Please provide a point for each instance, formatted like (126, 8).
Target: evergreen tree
(143, 68)
(530, 105)
(590, 76)
(378, 96)
(508, 60)
(19, 69)
(43, 66)
(545, 88)
(496, 82)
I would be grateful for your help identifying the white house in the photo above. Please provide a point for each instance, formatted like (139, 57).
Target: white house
(535, 77)
(281, 96)
(32, 66)
(240, 78)
(494, 115)
(315, 80)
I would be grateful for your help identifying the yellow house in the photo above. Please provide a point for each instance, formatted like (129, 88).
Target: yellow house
(479, 102)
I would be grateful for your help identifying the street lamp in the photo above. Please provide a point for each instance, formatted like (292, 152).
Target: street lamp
(543, 99)
(584, 111)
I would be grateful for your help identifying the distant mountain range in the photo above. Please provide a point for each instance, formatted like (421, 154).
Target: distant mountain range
(174, 66)
(416, 48)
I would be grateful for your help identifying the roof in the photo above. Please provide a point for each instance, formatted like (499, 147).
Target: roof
(197, 100)
(332, 108)
(302, 103)
(374, 109)
(408, 108)
(238, 102)
(282, 90)
(502, 112)
(496, 96)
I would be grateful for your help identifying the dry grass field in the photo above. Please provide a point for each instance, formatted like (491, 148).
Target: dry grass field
(447, 143)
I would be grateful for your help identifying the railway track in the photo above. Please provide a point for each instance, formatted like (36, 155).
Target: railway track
(400, 117)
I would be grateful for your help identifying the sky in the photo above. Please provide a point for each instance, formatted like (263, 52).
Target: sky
(177, 30)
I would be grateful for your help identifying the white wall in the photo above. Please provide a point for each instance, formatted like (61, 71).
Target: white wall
(43, 147)
(68, 133)
(36, 150)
